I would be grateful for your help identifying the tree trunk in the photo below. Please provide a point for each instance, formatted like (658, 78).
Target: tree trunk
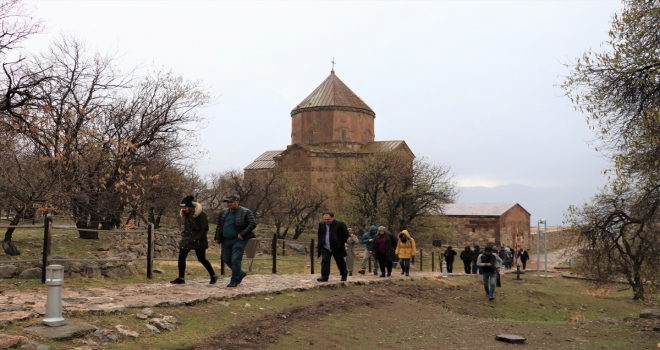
(94, 225)
(158, 217)
(10, 231)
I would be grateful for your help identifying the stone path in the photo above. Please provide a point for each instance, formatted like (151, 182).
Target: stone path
(16, 305)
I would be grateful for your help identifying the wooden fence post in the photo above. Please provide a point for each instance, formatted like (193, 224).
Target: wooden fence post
(432, 261)
(311, 255)
(283, 248)
(274, 253)
(150, 251)
(46, 249)
(421, 260)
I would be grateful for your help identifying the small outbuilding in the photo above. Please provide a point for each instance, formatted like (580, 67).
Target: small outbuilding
(488, 223)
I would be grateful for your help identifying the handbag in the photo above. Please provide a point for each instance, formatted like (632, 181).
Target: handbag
(499, 283)
(185, 240)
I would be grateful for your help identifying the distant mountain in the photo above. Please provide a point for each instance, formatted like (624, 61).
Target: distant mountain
(549, 203)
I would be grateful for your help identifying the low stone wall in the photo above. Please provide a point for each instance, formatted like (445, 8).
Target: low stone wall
(557, 239)
(121, 246)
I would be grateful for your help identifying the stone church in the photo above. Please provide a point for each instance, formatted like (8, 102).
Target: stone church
(330, 126)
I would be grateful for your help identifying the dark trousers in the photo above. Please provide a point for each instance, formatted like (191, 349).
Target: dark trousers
(201, 257)
(405, 265)
(524, 263)
(468, 268)
(325, 262)
(475, 268)
(232, 255)
(450, 265)
(384, 262)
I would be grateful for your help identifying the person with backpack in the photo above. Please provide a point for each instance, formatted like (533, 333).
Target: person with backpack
(488, 264)
(368, 241)
(466, 256)
(449, 255)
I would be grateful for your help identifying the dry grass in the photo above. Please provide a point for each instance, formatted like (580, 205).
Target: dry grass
(600, 292)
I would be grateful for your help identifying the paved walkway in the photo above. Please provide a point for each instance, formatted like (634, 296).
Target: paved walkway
(18, 305)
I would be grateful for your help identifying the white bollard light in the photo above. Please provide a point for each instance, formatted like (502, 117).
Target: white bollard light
(444, 269)
(54, 281)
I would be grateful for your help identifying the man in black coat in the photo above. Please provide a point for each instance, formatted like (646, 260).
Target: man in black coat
(332, 236)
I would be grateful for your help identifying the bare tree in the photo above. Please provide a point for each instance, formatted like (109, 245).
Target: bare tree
(392, 188)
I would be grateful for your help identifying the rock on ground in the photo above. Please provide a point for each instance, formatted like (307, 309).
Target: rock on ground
(31, 274)
(650, 313)
(125, 331)
(162, 324)
(14, 316)
(153, 328)
(69, 330)
(106, 335)
(170, 319)
(8, 341)
(8, 271)
(148, 312)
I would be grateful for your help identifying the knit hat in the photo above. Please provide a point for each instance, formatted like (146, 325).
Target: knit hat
(188, 201)
(382, 228)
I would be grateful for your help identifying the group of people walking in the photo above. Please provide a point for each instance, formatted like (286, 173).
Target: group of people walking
(236, 226)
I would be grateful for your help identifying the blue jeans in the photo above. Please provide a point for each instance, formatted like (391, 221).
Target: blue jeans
(490, 279)
(232, 255)
(405, 265)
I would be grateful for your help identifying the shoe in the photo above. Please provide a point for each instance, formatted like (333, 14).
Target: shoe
(178, 280)
(361, 272)
(389, 275)
(240, 279)
(375, 273)
(350, 273)
(322, 279)
(382, 275)
(402, 272)
(213, 279)
(232, 285)
(407, 275)
(491, 298)
(343, 278)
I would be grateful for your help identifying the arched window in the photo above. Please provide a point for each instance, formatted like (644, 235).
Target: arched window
(311, 136)
(343, 135)
(367, 136)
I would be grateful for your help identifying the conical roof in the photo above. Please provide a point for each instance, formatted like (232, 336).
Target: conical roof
(333, 94)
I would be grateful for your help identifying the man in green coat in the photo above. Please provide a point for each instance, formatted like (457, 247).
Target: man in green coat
(193, 237)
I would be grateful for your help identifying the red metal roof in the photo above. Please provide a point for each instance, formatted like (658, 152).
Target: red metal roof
(333, 93)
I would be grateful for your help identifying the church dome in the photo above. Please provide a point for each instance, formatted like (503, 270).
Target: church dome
(333, 94)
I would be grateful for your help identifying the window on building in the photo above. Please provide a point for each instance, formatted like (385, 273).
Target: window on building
(343, 135)
(367, 136)
(311, 136)
(473, 229)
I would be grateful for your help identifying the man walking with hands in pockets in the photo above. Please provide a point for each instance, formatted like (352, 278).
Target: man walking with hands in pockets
(332, 236)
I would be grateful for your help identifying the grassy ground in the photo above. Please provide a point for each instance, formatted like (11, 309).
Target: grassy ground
(552, 313)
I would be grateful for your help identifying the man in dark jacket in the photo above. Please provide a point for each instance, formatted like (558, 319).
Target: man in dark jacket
(332, 236)
(235, 227)
(488, 263)
(524, 256)
(466, 256)
(475, 255)
(449, 255)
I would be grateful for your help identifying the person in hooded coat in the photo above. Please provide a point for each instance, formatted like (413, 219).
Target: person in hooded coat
(368, 241)
(405, 250)
(466, 256)
(193, 237)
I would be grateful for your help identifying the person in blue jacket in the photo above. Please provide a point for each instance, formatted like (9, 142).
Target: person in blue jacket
(368, 241)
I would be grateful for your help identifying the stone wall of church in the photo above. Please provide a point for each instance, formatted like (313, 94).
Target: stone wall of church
(327, 125)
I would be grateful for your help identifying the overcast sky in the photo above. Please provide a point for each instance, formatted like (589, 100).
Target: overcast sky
(468, 84)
